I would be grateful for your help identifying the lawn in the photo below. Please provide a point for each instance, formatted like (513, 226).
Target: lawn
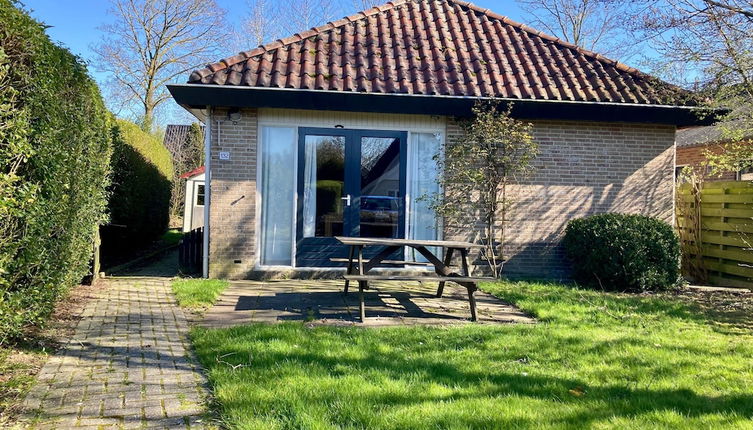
(171, 237)
(198, 294)
(595, 359)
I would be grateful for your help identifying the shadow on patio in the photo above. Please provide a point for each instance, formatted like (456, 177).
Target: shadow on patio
(323, 302)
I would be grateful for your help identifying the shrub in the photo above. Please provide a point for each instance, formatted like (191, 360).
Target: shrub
(623, 252)
(55, 147)
(139, 204)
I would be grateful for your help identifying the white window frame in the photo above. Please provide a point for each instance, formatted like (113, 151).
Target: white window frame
(297, 125)
(196, 186)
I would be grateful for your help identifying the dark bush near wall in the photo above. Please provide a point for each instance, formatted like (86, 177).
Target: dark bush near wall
(55, 147)
(140, 196)
(623, 252)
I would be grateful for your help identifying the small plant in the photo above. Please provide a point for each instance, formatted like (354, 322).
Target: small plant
(623, 252)
(494, 151)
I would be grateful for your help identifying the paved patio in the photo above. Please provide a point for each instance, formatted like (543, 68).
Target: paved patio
(323, 302)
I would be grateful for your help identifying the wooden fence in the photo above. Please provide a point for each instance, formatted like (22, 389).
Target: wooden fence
(191, 251)
(715, 222)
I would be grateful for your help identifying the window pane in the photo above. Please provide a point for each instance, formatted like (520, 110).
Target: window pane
(277, 191)
(423, 223)
(199, 195)
(323, 189)
(380, 187)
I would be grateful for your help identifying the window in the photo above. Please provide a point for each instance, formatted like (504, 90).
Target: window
(423, 181)
(745, 174)
(200, 195)
(277, 158)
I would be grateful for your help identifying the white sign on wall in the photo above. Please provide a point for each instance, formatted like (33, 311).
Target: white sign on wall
(224, 155)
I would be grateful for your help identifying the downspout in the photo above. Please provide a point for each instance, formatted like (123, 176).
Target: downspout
(207, 189)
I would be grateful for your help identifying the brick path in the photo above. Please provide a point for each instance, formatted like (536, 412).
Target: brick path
(127, 365)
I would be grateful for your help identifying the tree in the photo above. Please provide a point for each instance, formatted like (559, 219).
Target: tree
(260, 25)
(715, 38)
(494, 151)
(155, 42)
(360, 5)
(591, 24)
(187, 154)
(296, 16)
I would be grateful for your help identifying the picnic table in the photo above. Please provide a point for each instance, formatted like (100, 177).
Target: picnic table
(358, 268)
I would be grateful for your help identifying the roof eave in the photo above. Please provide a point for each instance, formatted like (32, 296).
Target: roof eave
(195, 97)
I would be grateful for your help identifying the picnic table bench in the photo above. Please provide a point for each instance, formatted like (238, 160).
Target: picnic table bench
(358, 268)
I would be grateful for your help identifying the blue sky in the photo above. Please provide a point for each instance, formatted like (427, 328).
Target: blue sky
(74, 22)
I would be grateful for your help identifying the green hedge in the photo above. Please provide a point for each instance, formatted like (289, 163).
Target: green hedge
(623, 252)
(140, 196)
(55, 147)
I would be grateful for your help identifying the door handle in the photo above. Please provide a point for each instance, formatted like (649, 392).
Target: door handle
(347, 200)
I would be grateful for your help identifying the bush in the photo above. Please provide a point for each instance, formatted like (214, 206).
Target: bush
(140, 195)
(55, 146)
(623, 252)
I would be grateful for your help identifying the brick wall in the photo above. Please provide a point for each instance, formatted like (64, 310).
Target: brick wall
(232, 219)
(584, 169)
(694, 156)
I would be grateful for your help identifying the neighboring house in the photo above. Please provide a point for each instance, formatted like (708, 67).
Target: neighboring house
(693, 144)
(193, 209)
(304, 132)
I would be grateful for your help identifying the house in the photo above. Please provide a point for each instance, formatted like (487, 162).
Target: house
(193, 208)
(332, 131)
(695, 142)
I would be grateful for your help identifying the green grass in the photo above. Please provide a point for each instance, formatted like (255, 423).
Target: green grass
(595, 360)
(17, 375)
(171, 237)
(198, 294)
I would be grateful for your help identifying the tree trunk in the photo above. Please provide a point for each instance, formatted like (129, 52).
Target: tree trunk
(148, 121)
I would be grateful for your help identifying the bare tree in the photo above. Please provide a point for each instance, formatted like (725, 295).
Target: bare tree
(154, 42)
(187, 152)
(361, 5)
(715, 38)
(296, 16)
(260, 25)
(591, 24)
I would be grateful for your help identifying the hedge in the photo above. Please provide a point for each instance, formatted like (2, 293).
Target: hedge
(140, 195)
(623, 252)
(55, 147)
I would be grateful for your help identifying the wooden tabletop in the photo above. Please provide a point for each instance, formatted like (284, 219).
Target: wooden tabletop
(406, 242)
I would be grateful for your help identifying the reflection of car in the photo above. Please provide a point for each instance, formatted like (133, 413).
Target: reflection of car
(381, 209)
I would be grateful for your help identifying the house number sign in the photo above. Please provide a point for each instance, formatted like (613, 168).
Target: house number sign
(224, 155)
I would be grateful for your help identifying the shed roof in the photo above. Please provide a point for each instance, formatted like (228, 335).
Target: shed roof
(195, 172)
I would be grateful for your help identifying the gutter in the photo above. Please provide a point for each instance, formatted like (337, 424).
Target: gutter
(207, 190)
(198, 96)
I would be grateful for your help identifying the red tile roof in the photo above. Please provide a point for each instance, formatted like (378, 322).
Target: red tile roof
(438, 47)
(194, 172)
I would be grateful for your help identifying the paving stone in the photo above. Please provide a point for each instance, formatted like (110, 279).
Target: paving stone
(387, 303)
(130, 344)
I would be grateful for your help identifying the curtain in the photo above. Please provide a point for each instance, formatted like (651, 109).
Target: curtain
(278, 152)
(309, 187)
(423, 223)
